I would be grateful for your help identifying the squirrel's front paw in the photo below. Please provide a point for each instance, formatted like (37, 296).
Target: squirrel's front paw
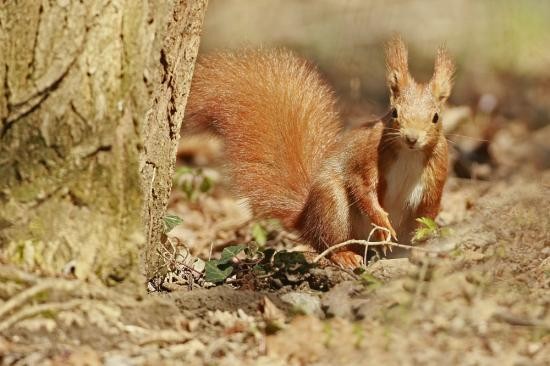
(347, 259)
(386, 235)
(389, 233)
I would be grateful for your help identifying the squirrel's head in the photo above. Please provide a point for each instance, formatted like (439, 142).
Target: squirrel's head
(416, 108)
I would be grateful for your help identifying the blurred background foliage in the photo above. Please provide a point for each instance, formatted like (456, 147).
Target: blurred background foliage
(501, 47)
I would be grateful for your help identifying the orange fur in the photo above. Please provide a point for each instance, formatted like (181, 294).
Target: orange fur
(288, 156)
(278, 119)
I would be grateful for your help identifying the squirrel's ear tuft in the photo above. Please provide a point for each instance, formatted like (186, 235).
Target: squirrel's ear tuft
(442, 80)
(397, 65)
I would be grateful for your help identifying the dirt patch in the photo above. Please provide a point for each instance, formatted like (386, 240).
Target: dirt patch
(199, 302)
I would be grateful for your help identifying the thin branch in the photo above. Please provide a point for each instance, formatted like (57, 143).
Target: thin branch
(41, 308)
(13, 273)
(162, 336)
(520, 321)
(22, 297)
(367, 243)
(49, 285)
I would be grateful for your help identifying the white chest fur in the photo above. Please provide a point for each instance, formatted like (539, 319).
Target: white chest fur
(404, 191)
(404, 186)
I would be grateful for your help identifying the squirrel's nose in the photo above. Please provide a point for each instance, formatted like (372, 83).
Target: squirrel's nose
(411, 140)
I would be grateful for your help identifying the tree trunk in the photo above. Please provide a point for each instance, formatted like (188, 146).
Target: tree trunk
(80, 82)
(163, 122)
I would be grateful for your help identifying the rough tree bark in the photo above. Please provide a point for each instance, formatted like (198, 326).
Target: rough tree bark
(91, 94)
(163, 122)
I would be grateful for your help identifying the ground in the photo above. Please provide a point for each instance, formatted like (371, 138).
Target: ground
(479, 295)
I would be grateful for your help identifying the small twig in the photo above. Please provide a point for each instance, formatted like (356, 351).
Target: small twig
(153, 176)
(29, 293)
(15, 274)
(163, 336)
(368, 243)
(520, 321)
(76, 287)
(211, 247)
(41, 308)
(376, 227)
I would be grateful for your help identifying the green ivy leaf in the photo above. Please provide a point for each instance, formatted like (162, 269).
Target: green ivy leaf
(192, 181)
(213, 273)
(231, 252)
(428, 230)
(428, 223)
(259, 234)
(206, 184)
(422, 234)
(187, 188)
(170, 222)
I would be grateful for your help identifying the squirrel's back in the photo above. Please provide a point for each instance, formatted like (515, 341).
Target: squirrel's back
(277, 118)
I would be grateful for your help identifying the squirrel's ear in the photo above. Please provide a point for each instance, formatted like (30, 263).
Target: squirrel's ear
(397, 65)
(442, 80)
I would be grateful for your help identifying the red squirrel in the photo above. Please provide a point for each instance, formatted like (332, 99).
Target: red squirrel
(288, 155)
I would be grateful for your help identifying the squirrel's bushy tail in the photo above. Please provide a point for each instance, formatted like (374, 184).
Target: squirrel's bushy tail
(277, 119)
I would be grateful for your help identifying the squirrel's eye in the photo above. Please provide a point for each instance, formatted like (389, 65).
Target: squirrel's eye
(436, 118)
(394, 113)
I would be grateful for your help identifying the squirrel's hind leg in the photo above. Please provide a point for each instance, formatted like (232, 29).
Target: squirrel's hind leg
(326, 221)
